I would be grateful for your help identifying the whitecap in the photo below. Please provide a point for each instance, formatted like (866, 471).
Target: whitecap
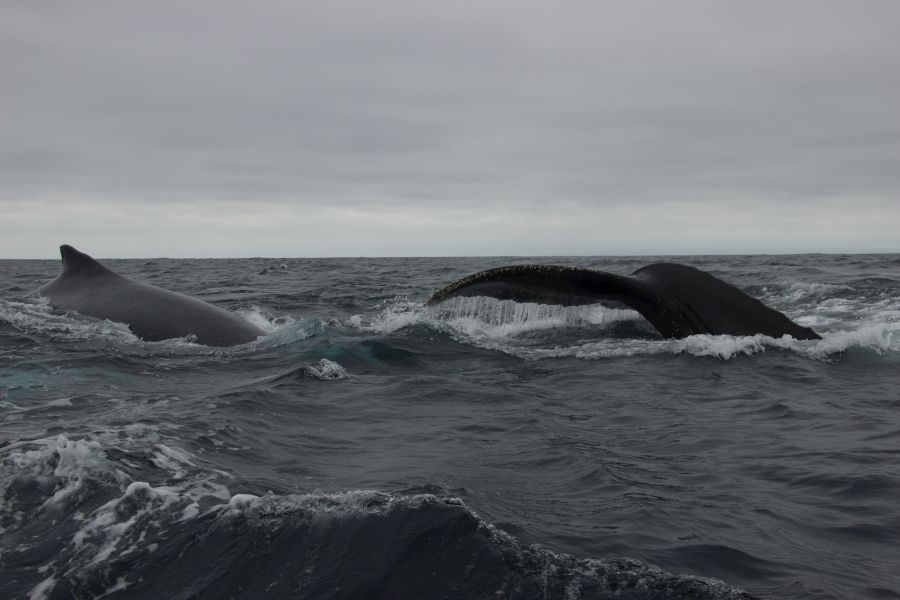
(65, 464)
(495, 325)
(37, 316)
(326, 370)
(263, 319)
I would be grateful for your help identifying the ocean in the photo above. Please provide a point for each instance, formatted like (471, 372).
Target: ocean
(370, 447)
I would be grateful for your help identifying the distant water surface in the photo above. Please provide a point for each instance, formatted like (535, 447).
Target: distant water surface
(369, 447)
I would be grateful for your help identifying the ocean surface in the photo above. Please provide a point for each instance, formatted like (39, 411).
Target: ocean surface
(368, 447)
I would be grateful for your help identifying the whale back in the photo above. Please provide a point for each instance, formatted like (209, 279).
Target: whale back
(87, 287)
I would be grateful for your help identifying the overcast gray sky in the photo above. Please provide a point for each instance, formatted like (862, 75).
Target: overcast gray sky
(300, 128)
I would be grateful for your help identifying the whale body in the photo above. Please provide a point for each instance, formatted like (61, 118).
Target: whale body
(152, 313)
(678, 300)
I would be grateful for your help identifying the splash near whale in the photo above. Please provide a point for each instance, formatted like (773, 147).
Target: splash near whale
(678, 300)
(152, 313)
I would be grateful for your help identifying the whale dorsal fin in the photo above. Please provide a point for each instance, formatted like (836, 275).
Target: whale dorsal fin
(78, 262)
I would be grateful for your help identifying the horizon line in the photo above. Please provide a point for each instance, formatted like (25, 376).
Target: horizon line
(435, 256)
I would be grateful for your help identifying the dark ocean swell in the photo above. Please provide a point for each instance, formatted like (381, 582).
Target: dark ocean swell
(370, 447)
(194, 540)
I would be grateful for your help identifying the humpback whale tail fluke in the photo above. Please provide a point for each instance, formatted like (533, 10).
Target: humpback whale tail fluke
(678, 300)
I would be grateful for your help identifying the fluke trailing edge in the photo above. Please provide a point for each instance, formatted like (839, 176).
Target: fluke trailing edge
(150, 312)
(677, 299)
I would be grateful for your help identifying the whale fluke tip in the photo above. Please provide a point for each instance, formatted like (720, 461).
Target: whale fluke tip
(678, 300)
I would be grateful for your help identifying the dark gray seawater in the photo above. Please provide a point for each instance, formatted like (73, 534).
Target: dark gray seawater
(370, 448)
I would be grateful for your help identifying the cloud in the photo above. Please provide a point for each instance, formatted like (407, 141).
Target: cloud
(460, 128)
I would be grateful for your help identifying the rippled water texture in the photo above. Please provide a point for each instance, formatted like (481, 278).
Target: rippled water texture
(369, 447)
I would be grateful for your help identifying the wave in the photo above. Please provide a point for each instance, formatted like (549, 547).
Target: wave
(510, 327)
(494, 318)
(104, 534)
(526, 330)
(39, 318)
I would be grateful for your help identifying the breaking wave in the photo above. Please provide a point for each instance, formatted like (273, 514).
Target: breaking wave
(510, 327)
(188, 535)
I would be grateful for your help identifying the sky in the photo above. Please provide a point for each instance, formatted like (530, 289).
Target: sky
(212, 128)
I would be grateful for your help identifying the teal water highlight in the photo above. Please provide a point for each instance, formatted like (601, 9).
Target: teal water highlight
(512, 450)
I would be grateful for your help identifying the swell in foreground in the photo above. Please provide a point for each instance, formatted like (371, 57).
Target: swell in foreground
(478, 448)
